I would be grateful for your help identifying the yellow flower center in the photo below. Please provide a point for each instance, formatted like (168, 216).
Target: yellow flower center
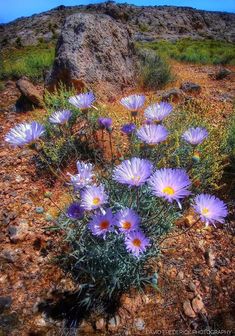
(205, 211)
(136, 242)
(126, 225)
(96, 201)
(135, 178)
(104, 225)
(169, 191)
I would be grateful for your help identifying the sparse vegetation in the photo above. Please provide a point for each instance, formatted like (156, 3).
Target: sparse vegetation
(30, 61)
(195, 51)
(155, 72)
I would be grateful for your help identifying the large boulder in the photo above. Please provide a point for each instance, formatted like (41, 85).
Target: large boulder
(94, 51)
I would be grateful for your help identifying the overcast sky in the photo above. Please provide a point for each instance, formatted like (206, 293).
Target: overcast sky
(12, 9)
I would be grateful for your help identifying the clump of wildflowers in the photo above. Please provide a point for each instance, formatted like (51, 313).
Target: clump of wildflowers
(24, 134)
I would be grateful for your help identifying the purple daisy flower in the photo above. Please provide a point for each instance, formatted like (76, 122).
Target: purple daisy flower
(210, 208)
(75, 211)
(84, 176)
(152, 134)
(127, 220)
(60, 117)
(101, 224)
(157, 112)
(133, 172)
(93, 197)
(171, 184)
(133, 102)
(128, 128)
(136, 243)
(105, 123)
(83, 100)
(195, 135)
(25, 133)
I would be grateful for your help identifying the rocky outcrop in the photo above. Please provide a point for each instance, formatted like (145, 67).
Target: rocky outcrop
(93, 51)
(147, 23)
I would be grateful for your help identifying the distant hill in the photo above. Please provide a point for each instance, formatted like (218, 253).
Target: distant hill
(147, 23)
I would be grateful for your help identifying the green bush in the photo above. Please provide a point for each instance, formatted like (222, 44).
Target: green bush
(154, 71)
(195, 51)
(27, 61)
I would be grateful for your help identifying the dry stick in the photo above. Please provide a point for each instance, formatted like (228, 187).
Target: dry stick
(179, 234)
(111, 146)
(57, 206)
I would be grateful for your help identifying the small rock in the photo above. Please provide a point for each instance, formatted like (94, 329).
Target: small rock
(114, 323)
(172, 95)
(189, 220)
(190, 87)
(19, 178)
(100, 324)
(5, 302)
(222, 73)
(30, 92)
(197, 304)
(188, 310)
(210, 258)
(192, 287)
(48, 217)
(8, 255)
(139, 324)
(86, 327)
(180, 275)
(39, 210)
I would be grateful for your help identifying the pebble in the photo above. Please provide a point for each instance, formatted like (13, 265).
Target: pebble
(5, 302)
(188, 310)
(198, 304)
(100, 324)
(39, 210)
(139, 324)
(114, 323)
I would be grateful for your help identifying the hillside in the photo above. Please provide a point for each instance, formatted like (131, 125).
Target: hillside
(146, 23)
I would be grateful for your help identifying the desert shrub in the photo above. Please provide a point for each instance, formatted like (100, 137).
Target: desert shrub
(18, 42)
(154, 71)
(143, 27)
(195, 51)
(121, 211)
(27, 61)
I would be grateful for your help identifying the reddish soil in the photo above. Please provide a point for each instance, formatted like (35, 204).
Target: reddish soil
(195, 269)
